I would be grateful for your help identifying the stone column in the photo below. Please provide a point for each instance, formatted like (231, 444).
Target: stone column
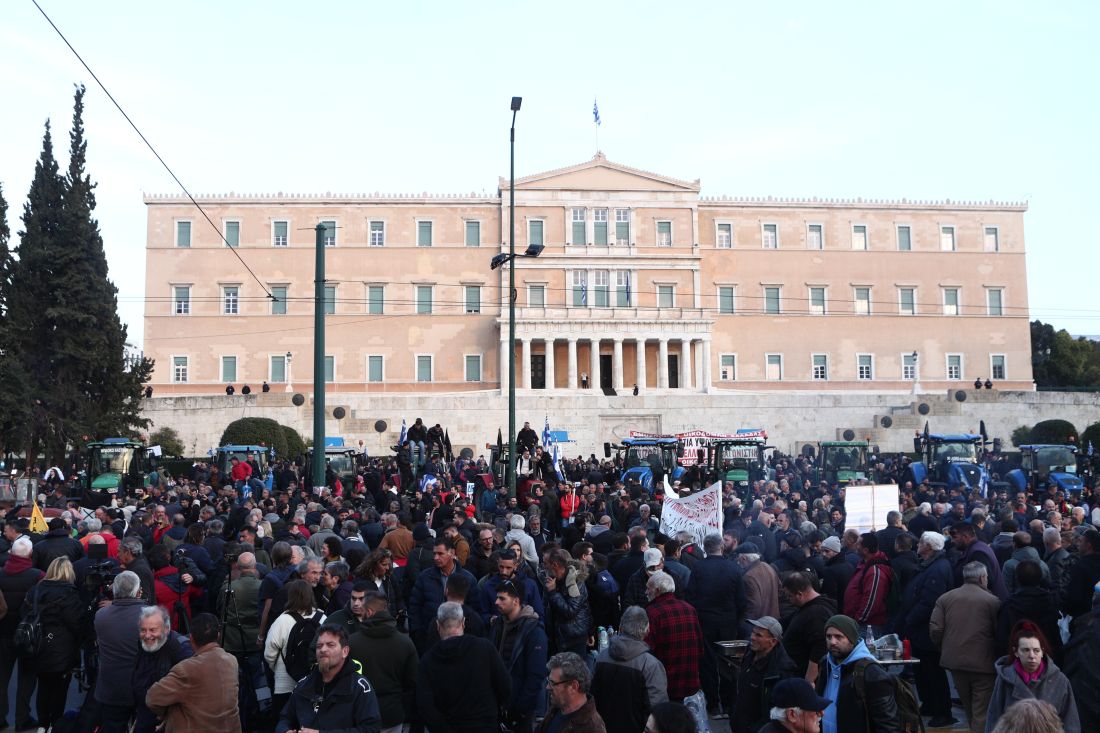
(617, 365)
(572, 364)
(594, 364)
(685, 363)
(523, 363)
(639, 377)
(504, 366)
(662, 363)
(549, 351)
(705, 384)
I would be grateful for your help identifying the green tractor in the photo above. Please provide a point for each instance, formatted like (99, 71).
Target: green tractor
(741, 460)
(841, 462)
(114, 468)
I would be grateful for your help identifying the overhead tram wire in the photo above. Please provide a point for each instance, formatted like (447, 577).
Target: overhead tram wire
(152, 149)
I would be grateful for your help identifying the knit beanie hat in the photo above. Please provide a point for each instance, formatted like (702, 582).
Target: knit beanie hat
(845, 625)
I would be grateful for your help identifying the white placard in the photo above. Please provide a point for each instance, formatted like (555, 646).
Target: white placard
(867, 506)
(700, 514)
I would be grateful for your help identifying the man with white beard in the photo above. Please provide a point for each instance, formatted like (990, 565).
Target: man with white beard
(161, 649)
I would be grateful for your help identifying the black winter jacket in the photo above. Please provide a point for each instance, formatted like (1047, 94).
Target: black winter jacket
(527, 662)
(568, 614)
(345, 705)
(754, 688)
(65, 625)
(461, 685)
(57, 543)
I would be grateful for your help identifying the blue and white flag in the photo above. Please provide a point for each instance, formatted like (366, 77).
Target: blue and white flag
(584, 295)
(1090, 447)
(628, 291)
(595, 112)
(551, 445)
(404, 432)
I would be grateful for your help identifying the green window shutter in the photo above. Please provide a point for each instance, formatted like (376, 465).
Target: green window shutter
(905, 241)
(536, 232)
(771, 300)
(424, 234)
(473, 299)
(664, 233)
(423, 368)
(622, 232)
(375, 299)
(233, 233)
(330, 300)
(374, 368)
(278, 369)
(278, 305)
(725, 300)
(601, 232)
(578, 233)
(424, 299)
(229, 369)
(473, 234)
(330, 368)
(473, 369)
(183, 234)
(330, 232)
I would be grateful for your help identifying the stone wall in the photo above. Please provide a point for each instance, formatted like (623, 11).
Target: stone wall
(791, 418)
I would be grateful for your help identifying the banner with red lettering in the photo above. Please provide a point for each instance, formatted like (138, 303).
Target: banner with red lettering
(696, 441)
(699, 514)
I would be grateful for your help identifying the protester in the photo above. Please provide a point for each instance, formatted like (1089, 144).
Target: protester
(796, 708)
(572, 709)
(518, 635)
(675, 636)
(161, 649)
(628, 680)
(283, 647)
(874, 709)
(116, 629)
(763, 667)
(1029, 672)
(386, 656)
(63, 622)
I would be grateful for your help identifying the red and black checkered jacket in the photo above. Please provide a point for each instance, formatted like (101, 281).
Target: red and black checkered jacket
(676, 638)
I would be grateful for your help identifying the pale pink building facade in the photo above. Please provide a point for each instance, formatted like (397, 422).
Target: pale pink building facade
(643, 281)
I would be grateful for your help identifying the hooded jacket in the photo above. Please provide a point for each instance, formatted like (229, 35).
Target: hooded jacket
(389, 660)
(1052, 686)
(876, 713)
(865, 597)
(627, 683)
(461, 685)
(754, 688)
(1008, 572)
(525, 640)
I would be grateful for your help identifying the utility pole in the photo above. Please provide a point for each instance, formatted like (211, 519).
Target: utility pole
(319, 361)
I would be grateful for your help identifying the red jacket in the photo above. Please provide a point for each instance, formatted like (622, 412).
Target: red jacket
(109, 537)
(241, 472)
(569, 504)
(167, 584)
(865, 596)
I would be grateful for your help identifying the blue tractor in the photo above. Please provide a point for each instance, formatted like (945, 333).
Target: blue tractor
(950, 460)
(1046, 466)
(646, 461)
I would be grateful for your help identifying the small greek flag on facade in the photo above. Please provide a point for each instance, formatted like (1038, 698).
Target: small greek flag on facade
(595, 112)
(551, 445)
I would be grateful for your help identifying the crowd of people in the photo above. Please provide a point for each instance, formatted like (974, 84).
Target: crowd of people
(387, 605)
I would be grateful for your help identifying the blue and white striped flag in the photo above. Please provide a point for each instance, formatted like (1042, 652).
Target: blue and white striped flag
(404, 432)
(551, 445)
(595, 112)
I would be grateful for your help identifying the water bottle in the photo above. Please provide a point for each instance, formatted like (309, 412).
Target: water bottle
(869, 639)
(602, 639)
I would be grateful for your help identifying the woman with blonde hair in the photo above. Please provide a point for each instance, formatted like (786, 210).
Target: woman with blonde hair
(64, 623)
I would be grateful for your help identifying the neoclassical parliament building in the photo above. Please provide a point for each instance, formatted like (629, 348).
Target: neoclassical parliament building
(642, 280)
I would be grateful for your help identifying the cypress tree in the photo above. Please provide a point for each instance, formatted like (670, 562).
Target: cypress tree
(12, 385)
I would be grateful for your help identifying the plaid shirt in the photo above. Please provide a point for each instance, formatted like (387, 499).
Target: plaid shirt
(676, 639)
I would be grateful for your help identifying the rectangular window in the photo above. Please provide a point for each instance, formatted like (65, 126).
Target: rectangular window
(770, 236)
(233, 233)
(820, 367)
(580, 288)
(278, 300)
(423, 234)
(815, 236)
(534, 232)
(179, 369)
(863, 301)
(817, 301)
(330, 232)
(377, 234)
(424, 299)
(579, 236)
(727, 367)
(947, 239)
(771, 301)
(276, 369)
(330, 369)
(992, 239)
(182, 298)
(666, 296)
(183, 234)
(865, 366)
(773, 367)
(909, 366)
(229, 369)
(664, 234)
(994, 298)
(375, 366)
(951, 301)
(723, 238)
(725, 300)
(473, 234)
(330, 300)
(954, 366)
(536, 296)
(600, 224)
(473, 367)
(622, 226)
(601, 288)
(423, 368)
(996, 366)
(859, 236)
(280, 233)
(376, 299)
(907, 304)
(623, 296)
(230, 300)
(473, 298)
(905, 238)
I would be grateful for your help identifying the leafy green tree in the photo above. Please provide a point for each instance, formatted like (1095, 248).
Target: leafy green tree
(1054, 431)
(1021, 436)
(1091, 434)
(13, 404)
(256, 431)
(1060, 361)
(295, 446)
(169, 441)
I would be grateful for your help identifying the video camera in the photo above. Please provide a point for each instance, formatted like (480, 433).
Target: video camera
(101, 574)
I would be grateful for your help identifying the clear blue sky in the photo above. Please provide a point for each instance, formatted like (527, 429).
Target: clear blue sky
(973, 100)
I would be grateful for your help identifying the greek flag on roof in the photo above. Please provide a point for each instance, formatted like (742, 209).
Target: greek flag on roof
(595, 112)
(550, 444)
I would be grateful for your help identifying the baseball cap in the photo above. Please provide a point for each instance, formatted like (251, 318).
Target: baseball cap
(769, 624)
(796, 692)
(652, 557)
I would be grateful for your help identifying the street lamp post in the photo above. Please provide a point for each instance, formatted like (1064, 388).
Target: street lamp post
(287, 376)
(516, 102)
(916, 372)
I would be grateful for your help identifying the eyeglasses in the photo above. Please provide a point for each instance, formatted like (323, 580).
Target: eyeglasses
(552, 683)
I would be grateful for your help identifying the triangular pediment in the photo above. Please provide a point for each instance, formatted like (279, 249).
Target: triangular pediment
(600, 174)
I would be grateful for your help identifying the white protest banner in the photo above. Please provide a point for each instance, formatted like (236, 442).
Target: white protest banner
(699, 514)
(867, 506)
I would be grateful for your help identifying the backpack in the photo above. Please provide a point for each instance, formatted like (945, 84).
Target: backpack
(893, 596)
(28, 633)
(299, 654)
(908, 707)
